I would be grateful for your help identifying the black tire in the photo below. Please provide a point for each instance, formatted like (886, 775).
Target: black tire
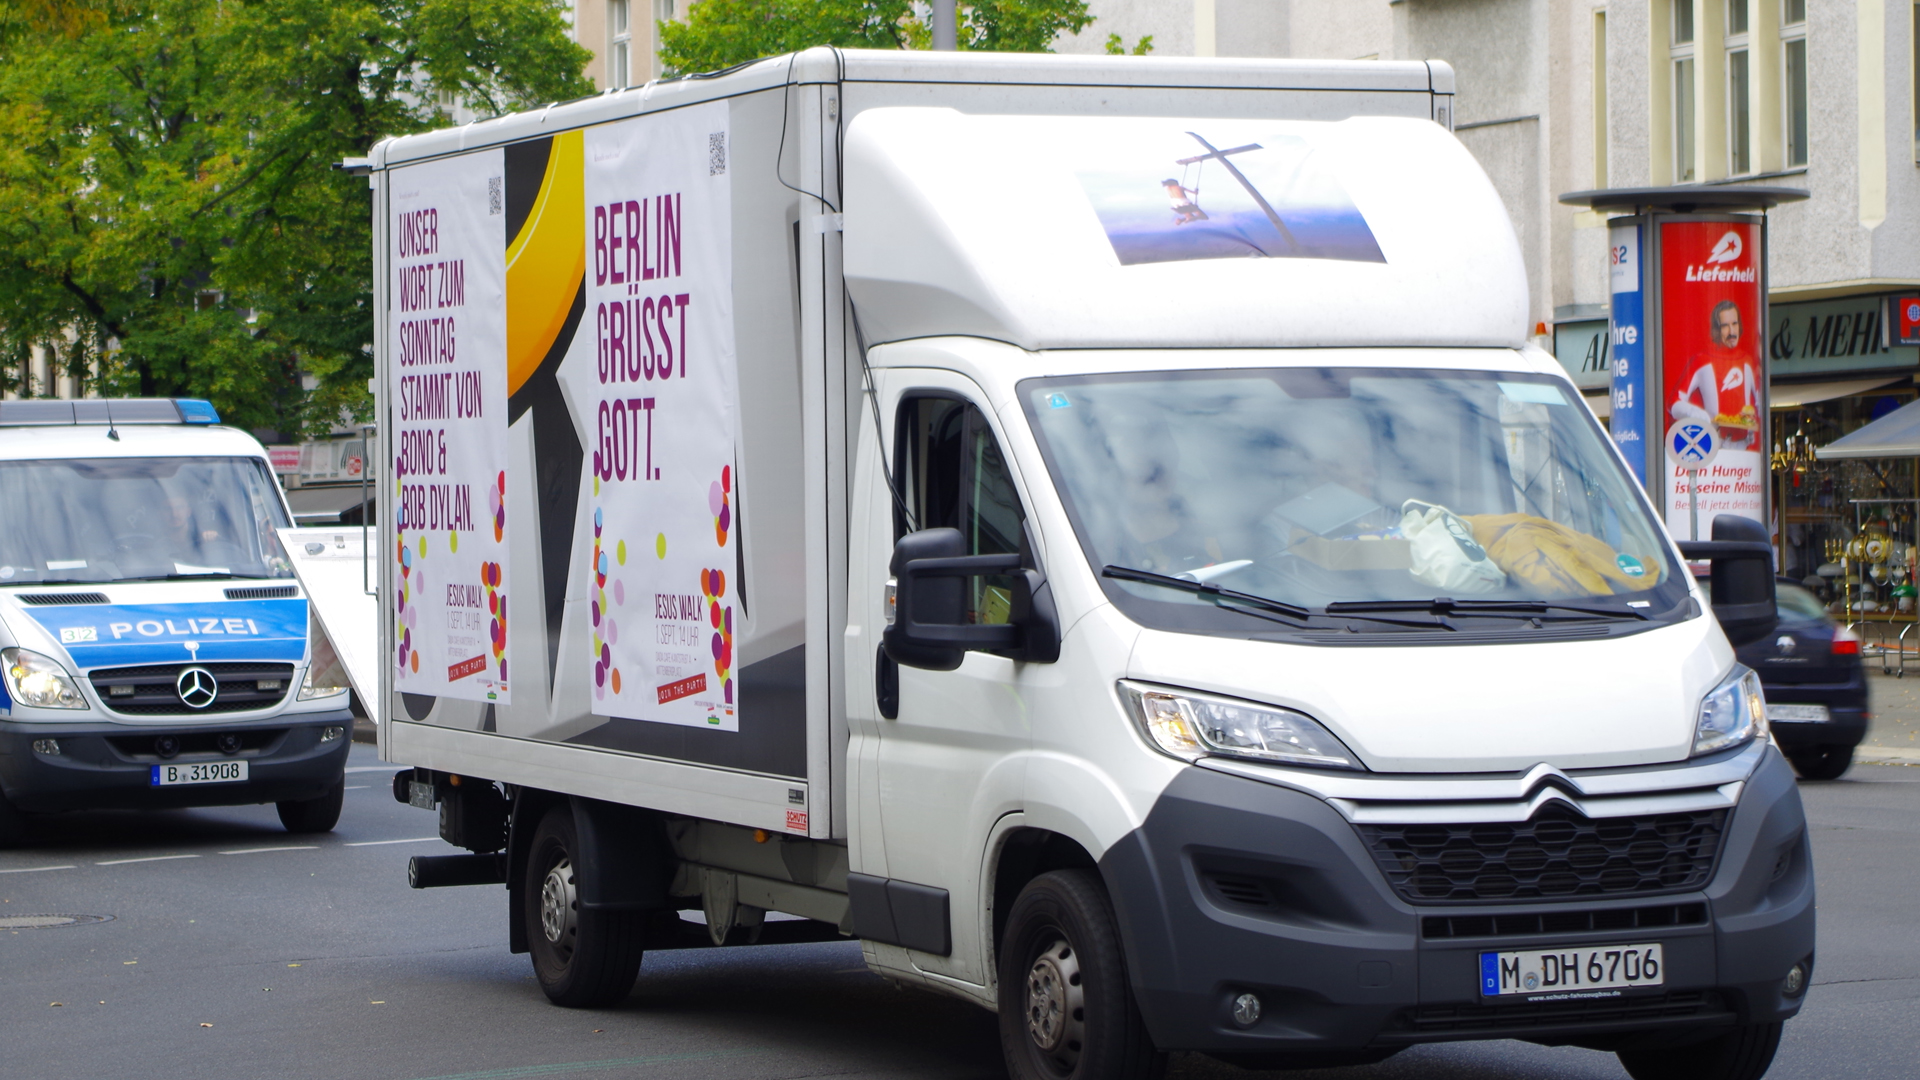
(583, 959)
(13, 824)
(1067, 1011)
(1741, 1054)
(1822, 762)
(314, 815)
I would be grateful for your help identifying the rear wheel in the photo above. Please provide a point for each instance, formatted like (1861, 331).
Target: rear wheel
(582, 958)
(1741, 1054)
(1822, 762)
(1066, 1009)
(314, 815)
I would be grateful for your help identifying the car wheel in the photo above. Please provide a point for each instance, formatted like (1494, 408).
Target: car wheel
(582, 958)
(314, 815)
(1066, 1008)
(1823, 762)
(1741, 1054)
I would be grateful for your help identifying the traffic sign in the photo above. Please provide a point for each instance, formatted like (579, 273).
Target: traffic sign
(1692, 444)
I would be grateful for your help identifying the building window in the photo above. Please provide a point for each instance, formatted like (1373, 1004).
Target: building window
(620, 45)
(1599, 81)
(1680, 51)
(1793, 51)
(1739, 91)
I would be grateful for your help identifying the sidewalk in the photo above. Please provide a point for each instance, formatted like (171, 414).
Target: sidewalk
(1893, 735)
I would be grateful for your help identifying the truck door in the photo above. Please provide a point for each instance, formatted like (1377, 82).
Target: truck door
(948, 761)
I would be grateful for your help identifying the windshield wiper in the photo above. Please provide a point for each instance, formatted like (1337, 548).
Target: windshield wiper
(1446, 605)
(209, 575)
(1251, 604)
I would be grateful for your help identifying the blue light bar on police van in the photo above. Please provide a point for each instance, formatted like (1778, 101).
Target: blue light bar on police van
(114, 411)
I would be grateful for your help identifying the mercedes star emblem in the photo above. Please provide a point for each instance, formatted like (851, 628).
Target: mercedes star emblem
(197, 687)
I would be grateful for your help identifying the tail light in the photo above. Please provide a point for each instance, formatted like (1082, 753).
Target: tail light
(1845, 642)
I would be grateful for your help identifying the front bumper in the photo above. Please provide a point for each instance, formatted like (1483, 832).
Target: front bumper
(1341, 963)
(102, 765)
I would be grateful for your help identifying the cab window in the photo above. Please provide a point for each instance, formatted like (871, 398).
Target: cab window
(954, 477)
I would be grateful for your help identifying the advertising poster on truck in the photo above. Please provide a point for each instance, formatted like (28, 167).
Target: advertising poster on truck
(663, 578)
(1713, 366)
(449, 427)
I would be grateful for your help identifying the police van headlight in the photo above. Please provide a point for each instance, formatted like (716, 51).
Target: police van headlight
(39, 681)
(326, 675)
(1191, 726)
(1732, 713)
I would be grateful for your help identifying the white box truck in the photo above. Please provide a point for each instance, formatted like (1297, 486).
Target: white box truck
(1095, 530)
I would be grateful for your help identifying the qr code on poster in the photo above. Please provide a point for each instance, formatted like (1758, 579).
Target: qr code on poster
(717, 153)
(494, 201)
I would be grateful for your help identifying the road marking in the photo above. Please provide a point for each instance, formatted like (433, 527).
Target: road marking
(587, 1066)
(37, 869)
(149, 858)
(260, 850)
(375, 768)
(376, 843)
(358, 787)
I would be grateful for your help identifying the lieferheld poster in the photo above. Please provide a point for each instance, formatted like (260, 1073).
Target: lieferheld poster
(659, 303)
(1715, 368)
(446, 367)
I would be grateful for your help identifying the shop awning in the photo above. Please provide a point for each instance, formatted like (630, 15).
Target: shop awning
(327, 505)
(1794, 395)
(1896, 434)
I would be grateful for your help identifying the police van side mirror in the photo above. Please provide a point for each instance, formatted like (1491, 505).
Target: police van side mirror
(1741, 578)
(927, 625)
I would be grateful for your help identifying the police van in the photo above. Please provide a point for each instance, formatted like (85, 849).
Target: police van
(155, 647)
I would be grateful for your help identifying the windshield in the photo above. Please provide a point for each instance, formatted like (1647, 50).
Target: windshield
(1367, 489)
(122, 519)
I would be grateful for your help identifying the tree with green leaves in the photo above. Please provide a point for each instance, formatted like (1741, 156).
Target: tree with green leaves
(722, 33)
(171, 220)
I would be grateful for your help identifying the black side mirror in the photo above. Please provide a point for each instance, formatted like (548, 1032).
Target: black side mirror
(1742, 577)
(927, 627)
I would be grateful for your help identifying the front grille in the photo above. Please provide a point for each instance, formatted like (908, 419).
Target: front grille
(154, 693)
(1520, 924)
(56, 599)
(1518, 1016)
(1559, 853)
(262, 592)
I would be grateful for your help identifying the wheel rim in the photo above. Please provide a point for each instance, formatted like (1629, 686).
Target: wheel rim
(1056, 1004)
(558, 906)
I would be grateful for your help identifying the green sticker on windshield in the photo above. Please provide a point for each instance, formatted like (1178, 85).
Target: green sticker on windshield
(1631, 566)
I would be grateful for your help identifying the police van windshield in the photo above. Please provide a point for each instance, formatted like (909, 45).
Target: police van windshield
(138, 519)
(1403, 498)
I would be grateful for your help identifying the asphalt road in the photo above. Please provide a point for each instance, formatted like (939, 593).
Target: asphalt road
(236, 950)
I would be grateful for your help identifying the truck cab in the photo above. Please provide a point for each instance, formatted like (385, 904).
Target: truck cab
(155, 648)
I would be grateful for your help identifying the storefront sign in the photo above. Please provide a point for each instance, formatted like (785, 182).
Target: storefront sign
(1581, 348)
(1627, 347)
(1905, 319)
(1825, 336)
(447, 376)
(663, 578)
(1713, 366)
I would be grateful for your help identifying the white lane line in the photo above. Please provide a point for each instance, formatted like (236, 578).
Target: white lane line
(376, 843)
(375, 768)
(37, 869)
(358, 787)
(149, 858)
(259, 850)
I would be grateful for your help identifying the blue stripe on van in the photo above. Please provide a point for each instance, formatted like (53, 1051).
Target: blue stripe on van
(117, 636)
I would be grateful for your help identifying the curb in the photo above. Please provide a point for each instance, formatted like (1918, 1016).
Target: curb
(1886, 755)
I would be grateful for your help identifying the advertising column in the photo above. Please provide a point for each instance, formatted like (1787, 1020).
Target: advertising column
(1626, 330)
(449, 428)
(1713, 366)
(663, 580)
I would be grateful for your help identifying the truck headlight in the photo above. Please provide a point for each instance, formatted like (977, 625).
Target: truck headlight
(1732, 713)
(39, 680)
(326, 675)
(1191, 726)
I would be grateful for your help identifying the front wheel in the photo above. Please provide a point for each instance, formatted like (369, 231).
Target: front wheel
(1822, 763)
(314, 815)
(583, 958)
(1066, 1009)
(1741, 1054)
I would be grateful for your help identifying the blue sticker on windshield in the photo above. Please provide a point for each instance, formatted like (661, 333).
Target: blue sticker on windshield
(114, 635)
(1058, 401)
(1631, 566)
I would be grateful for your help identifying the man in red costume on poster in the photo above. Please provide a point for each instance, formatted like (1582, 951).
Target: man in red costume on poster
(1720, 384)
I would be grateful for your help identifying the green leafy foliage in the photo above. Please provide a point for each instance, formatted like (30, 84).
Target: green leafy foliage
(721, 33)
(170, 217)
(1116, 46)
